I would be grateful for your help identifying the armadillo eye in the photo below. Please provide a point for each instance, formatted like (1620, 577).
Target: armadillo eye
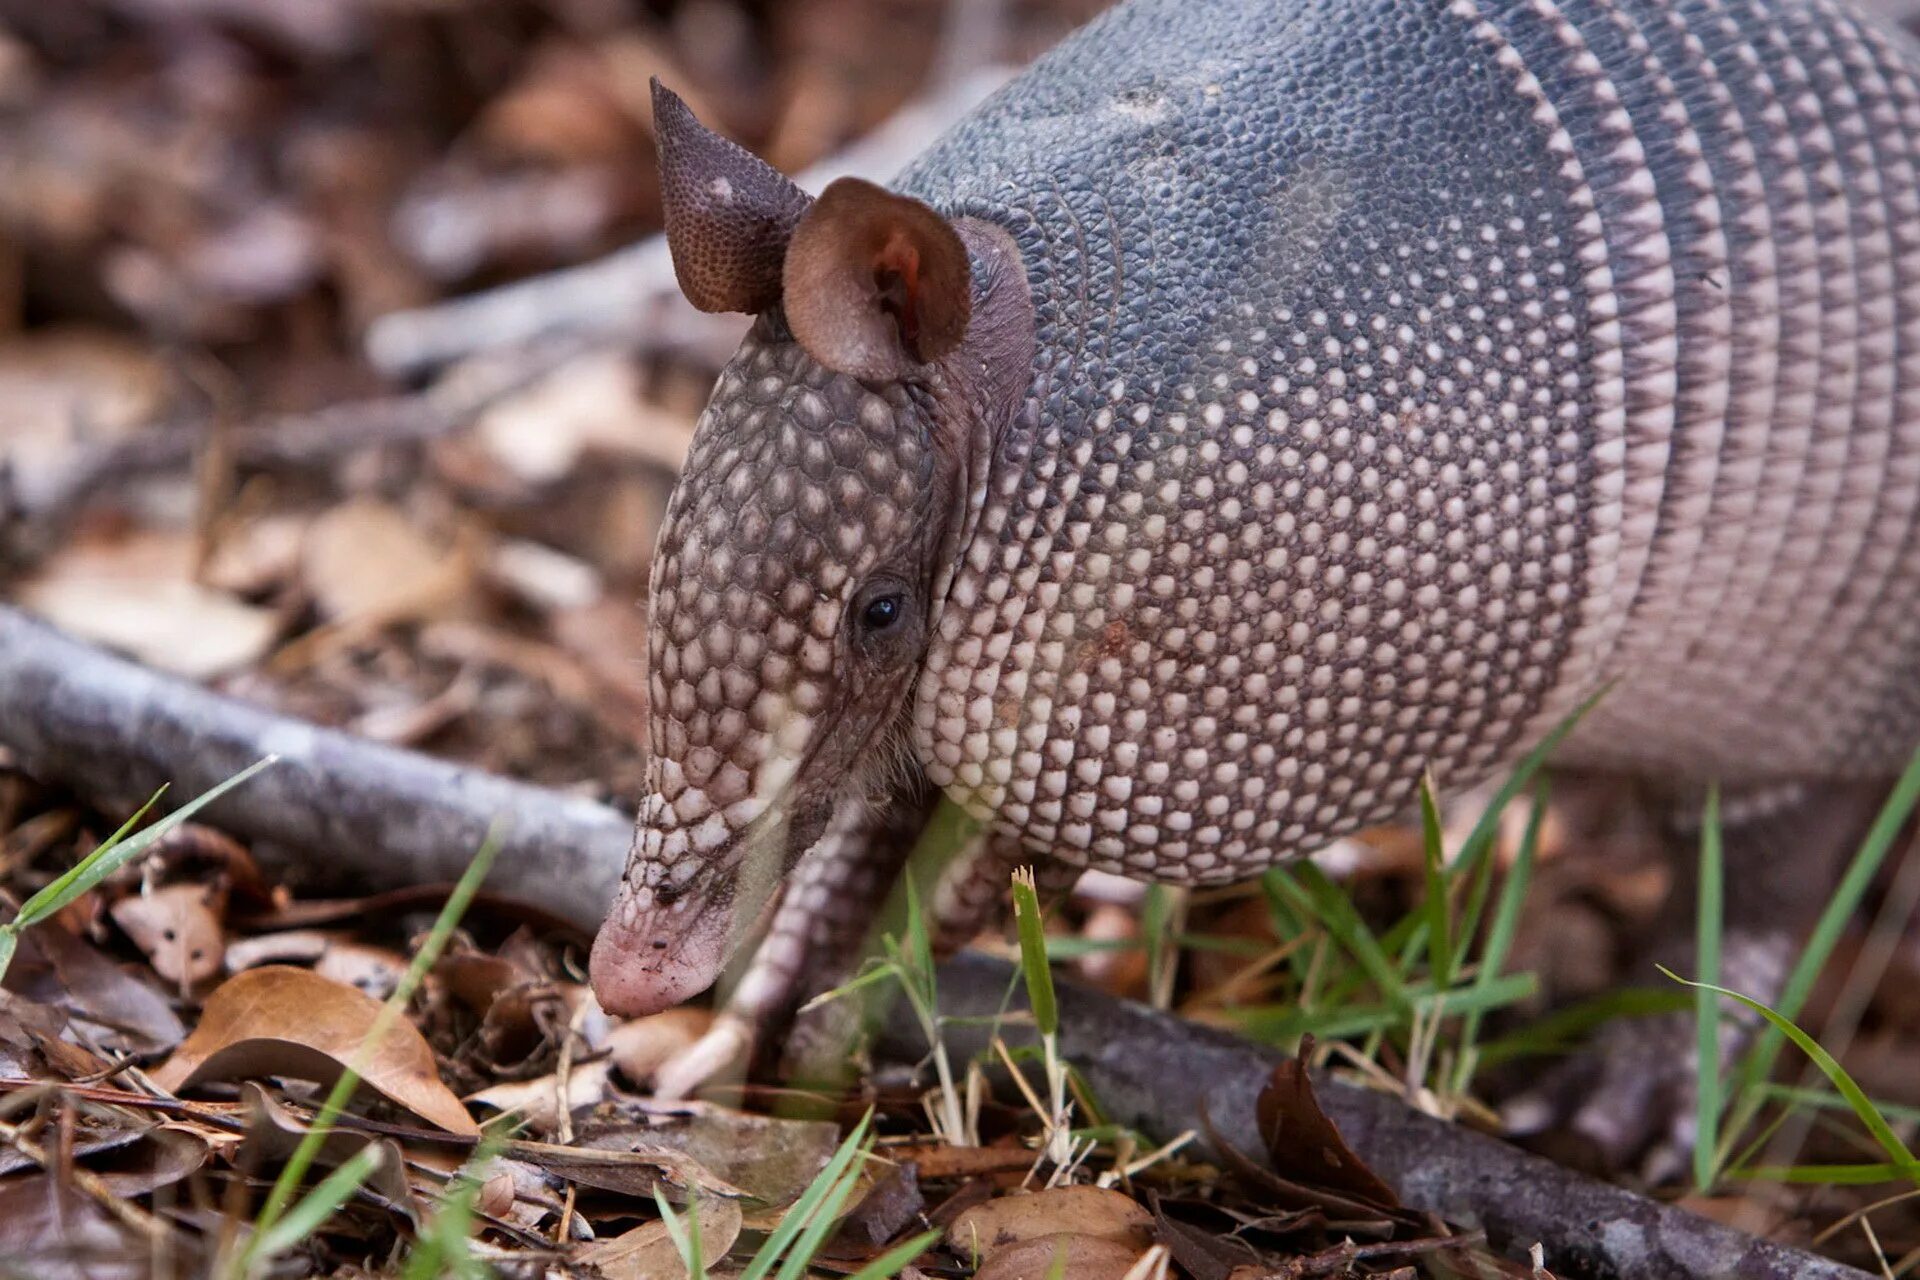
(881, 612)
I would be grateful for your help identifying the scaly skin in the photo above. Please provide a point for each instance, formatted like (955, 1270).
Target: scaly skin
(1335, 392)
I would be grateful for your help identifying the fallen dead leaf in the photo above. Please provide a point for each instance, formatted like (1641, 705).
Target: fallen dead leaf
(648, 1253)
(139, 596)
(178, 929)
(537, 1102)
(1084, 1212)
(51, 1234)
(769, 1158)
(373, 970)
(1304, 1145)
(593, 401)
(117, 1009)
(548, 580)
(890, 1205)
(366, 563)
(1061, 1257)
(280, 1020)
(69, 391)
(631, 1171)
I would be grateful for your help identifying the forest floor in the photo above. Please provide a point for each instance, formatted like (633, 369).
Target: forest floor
(246, 444)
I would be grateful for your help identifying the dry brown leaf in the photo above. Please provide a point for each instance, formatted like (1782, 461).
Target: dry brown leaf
(257, 555)
(138, 596)
(537, 1102)
(594, 402)
(366, 563)
(542, 577)
(178, 929)
(68, 391)
(769, 1158)
(279, 1020)
(1303, 1143)
(647, 1252)
(374, 970)
(629, 1171)
(1086, 1212)
(119, 1010)
(1061, 1257)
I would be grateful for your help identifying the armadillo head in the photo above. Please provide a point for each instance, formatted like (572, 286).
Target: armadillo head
(830, 487)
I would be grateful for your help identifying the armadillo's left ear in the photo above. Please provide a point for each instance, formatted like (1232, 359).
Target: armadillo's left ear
(729, 213)
(876, 283)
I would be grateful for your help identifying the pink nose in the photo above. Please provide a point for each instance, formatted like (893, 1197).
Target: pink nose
(648, 960)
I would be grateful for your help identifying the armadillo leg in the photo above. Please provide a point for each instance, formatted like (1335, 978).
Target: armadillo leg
(1632, 1095)
(975, 890)
(967, 878)
(822, 918)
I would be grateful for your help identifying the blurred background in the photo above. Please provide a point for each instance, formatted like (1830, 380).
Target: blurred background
(231, 443)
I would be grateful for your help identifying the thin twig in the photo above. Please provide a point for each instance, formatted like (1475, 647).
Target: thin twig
(129, 1214)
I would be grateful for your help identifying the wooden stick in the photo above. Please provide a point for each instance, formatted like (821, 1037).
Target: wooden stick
(114, 732)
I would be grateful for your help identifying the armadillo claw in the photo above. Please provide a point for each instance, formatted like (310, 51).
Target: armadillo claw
(720, 1056)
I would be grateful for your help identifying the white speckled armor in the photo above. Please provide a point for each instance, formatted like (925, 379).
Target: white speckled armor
(1407, 372)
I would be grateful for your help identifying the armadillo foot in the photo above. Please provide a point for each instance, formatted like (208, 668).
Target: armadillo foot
(719, 1057)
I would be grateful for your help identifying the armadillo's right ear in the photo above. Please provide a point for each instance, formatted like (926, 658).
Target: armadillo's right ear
(729, 213)
(877, 283)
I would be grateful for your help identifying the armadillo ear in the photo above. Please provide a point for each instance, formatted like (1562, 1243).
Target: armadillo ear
(876, 283)
(729, 213)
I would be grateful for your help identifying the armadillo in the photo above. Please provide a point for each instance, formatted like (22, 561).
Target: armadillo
(1256, 406)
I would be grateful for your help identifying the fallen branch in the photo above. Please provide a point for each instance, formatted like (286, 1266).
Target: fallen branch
(114, 732)
(1157, 1073)
(632, 291)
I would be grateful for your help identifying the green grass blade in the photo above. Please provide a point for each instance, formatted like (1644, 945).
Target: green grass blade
(1562, 1031)
(888, 1264)
(1288, 924)
(443, 1250)
(1033, 952)
(118, 851)
(1862, 1106)
(1318, 898)
(917, 945)
(1820, 1100)
(1479, 841)
(1439, 911)
(1832, 1175)
(685, 1235)
(1707, 1098)
(1506, 923)
(395, 1006)
(809, 1202)
(874, 973)
(1759, 1061)
(1156, 926)
(314, 1208)
(814, 1234)
(1283, 1024)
